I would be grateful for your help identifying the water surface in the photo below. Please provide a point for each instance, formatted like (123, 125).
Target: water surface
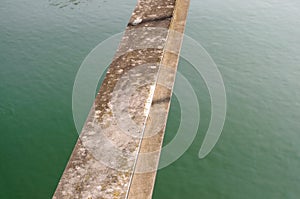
(256, 46)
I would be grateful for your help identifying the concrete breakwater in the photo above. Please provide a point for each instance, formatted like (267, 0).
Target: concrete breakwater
(117, 153)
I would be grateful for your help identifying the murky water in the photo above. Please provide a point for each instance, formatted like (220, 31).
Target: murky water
(41, 49)
(256, 46)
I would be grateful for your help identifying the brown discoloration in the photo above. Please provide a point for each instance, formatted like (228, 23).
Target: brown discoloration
(165, 23)
(117, 69)
(162, 100)
(152, 10)
(153, 19)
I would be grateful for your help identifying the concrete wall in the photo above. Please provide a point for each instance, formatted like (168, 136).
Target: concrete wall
(117, 153)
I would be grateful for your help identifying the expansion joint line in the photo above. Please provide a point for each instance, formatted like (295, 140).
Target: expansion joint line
(160, 65)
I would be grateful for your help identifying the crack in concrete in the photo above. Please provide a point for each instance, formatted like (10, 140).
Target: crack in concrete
(162, 100)
(169, 17)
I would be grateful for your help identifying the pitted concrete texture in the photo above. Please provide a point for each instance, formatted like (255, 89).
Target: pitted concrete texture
(130, 106)
(151, 10)
(148, 158)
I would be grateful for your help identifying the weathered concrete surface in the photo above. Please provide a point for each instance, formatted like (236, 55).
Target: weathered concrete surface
(146, 167)
(134, 95)
(151, 10)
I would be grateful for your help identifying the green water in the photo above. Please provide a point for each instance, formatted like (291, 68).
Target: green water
(256, 46)
(41, 49)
